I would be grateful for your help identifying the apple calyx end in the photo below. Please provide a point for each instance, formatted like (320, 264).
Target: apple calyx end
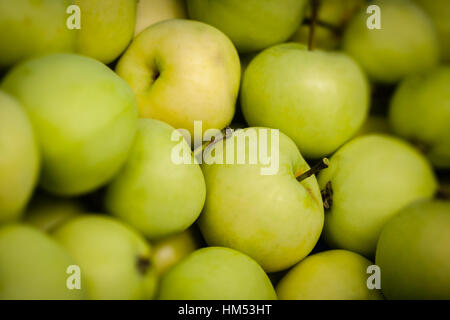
(327, 196)
(143, 264)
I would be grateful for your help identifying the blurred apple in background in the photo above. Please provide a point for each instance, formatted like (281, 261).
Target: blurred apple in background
(252, 25)
(374, 124)
(33, 266)
(367, 182)
(328, 275)
(216, 273)
(152, 11)
(413, 252)
(405, 44)
(84, 117)
(183, 71)
(115, 260)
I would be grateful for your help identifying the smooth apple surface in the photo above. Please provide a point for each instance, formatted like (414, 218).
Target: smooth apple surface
(84, 117)
(114, 259)
(420, 112)
(405, 44)
(328, 275)
(319, 99)
(413, 252)
(371, 177)
(216, 273)
(252, 25)
(34, 266)
(19, 158)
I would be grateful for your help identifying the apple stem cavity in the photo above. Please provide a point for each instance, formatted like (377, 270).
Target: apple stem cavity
(327, 196)
(322, 164)
(312, 27)
(143, 264)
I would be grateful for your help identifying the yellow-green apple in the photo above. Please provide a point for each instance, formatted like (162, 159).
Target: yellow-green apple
(319, 99)
(154, 193)
(216, 273)
(406, 42)
(374, 124)
(31, 28)
(413, 252)
(19, 158)
(328, 275)
(114, 259)
(84, 117)
(107, 28)
(420, 112)
(182, 71)
(268, 215)
(152, 11)
(34, 266)
(252, 25)
(367, 182)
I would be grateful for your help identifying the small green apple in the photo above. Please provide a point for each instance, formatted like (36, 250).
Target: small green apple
(271, 217)
(367, 182)
(33, 266)
(216, 273)
(406, 42)
(153, 193)
(152, 11)
(182, 71)
(252, 25)
(115, 260)
(413, 252)
(420, 111)
(328, 275)
(170, 250)
(19, 158)
(31, 28)
(319, 99)
(84, 117)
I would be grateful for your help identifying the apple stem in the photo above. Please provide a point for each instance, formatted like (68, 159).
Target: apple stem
(312, 28)
(322, 164)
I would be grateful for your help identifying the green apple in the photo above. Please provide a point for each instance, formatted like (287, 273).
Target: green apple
(271, 217)
(182, 71)
(319, 99)
(84, 117)
(168, 251)
(328, 275)
(367, 182)
(420, 111)
(33, 266)
(31, 28)
(216, 273)
(252, 25)
(152, 11)
(406, 42)
(19, 158)
(374, 124)
(47, 212)
(153, 193)
(413, 252)
(107, 28)
(439, 12)
(115, 260)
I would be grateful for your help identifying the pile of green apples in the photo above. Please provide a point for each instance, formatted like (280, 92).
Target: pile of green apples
(92, 205)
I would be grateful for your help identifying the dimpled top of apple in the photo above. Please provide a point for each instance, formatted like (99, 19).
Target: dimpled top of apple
(319, 99)
(84, 118)
(328, 275)
(183, 71)
(31, 28)
(19, 158)
(114, 259)
(33, 266)
(405, 44)
(413, 252)
(420, 111)
(216, 273)
(252, 25)
(153, 192)
(273, 218)
(372, 177)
